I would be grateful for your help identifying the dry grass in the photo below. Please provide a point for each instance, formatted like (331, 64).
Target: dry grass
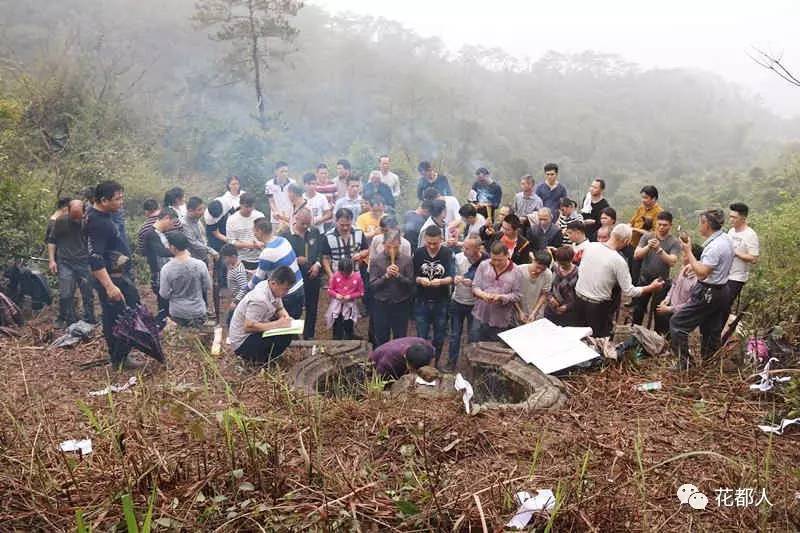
(226, 448)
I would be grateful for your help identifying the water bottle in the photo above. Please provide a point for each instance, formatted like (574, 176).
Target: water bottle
(646, 387)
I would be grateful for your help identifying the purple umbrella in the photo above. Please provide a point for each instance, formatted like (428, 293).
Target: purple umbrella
(137, 326)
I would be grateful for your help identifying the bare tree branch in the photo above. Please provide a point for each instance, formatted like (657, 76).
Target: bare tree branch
(774, 63)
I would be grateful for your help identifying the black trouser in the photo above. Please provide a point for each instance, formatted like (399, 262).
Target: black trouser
(459, 313)
(734, 290)
(163, 303)
(707, 308)
(311, 287)
(483, 332)
(389, 320)
(642, 302)
(190, 322)
(596, 315)
(342, 329)
(260, 350)
(293, 303)
(118, 349)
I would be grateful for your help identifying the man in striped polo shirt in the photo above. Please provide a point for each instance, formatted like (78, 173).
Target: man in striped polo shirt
(278, 252)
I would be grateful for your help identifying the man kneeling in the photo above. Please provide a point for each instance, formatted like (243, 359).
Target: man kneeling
(262, 310)
(407, 358)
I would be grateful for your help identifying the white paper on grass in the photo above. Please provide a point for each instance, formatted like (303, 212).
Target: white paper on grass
(420, 381)
(778, 430)
(115, 388)
(543, 501)
(767, 381)
(84, 446)
(462, 384)
(549, 347)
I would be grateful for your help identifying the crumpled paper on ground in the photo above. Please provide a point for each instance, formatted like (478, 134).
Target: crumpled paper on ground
(73, 445)
(420, 381)
(768, 381)
(778, 430)
(462, 384)
(76, 332)
(115, 388)
(544, 500)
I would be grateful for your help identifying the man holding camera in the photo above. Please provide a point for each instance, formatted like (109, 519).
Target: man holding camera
(659, 252)
(710, 297)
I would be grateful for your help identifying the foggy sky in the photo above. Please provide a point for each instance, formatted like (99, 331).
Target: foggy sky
(712, 35)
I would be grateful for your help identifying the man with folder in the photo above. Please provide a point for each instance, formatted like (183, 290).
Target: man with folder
(259, 312)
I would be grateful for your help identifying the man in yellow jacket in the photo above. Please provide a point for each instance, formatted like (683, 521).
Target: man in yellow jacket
(648, 209)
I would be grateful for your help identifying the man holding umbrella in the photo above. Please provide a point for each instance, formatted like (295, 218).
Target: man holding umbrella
(109, 261)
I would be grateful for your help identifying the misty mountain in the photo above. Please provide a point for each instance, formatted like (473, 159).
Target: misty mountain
(359, 86)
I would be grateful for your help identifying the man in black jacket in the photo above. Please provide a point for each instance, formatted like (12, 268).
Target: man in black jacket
(306, 242)
(545, 234)
(107, 251)
(156, 250)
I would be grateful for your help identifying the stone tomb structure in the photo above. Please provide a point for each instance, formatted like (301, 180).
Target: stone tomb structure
(499, 378)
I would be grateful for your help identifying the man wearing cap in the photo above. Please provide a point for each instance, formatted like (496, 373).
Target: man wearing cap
(710, 298)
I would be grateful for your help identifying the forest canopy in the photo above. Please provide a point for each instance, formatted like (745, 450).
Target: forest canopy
(143, 94)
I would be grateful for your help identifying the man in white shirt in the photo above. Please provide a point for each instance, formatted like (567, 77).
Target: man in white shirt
(387, 176)
(437, 219)
(601, 268)
(526, 201)
(450, 203)
(462, 299)
(321, 211)
(277, 194)
(239, 231)
(745, 249)
(537, 279)
(351, 199)
(576, 233)
(471, 223)
(259, 311)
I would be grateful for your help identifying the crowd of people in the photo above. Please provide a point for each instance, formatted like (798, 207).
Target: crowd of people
(462, 271)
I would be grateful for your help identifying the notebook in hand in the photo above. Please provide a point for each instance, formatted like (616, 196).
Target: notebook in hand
(295, 329)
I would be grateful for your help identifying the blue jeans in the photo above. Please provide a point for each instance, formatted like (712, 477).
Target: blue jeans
(458, 312)
(432, 313)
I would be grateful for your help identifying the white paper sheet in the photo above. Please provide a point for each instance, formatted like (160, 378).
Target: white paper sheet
(84, 446)
(463, 384)
(420, 381)
(768, 381)
(544, 500)
(115, 388)
(549, 347)
(778, 430)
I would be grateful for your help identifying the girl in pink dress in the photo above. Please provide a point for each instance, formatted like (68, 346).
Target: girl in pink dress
(344, 289)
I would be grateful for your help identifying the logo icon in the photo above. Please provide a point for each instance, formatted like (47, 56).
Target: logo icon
(688, 493)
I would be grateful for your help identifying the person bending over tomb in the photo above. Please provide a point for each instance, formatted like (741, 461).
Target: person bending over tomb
(425, 380)
(393, 359)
